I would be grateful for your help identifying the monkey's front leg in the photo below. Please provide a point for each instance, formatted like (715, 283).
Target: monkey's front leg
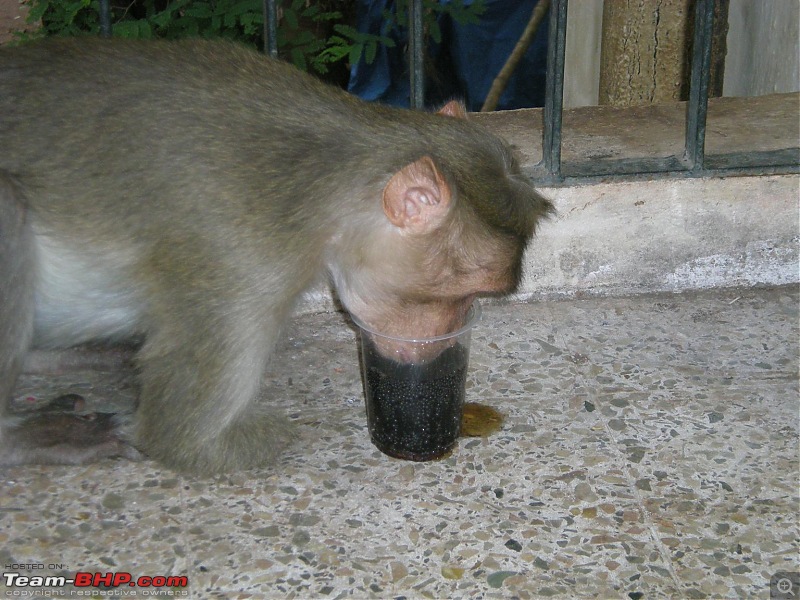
(197, 409)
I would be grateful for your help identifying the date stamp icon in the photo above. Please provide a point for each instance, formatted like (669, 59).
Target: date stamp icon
(785, 585)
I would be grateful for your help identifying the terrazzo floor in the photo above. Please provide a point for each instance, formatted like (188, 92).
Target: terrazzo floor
(649, 450)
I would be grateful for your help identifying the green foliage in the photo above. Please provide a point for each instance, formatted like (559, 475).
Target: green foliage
(457, 9)
(62, 17)
(352, 43)
(310, 34)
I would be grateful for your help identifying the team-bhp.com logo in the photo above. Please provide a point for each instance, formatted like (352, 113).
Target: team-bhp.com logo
(156, 584)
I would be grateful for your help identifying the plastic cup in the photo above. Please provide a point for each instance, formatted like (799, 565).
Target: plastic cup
(415, 405)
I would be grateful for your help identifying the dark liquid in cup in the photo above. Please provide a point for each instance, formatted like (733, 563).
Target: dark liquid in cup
(414, 411)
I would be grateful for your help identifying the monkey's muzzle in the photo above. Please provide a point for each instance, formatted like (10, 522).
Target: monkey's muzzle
(415, 406)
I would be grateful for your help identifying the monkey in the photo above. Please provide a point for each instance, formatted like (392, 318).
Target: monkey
(186, 193)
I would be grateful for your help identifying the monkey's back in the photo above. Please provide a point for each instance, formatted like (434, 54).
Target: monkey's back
(219, 125)
(154, 102)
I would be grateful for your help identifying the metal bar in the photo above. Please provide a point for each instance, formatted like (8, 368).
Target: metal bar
(753, 160)
(623, 166)
(554, 89)
(416, 53)
(683, 174)
(697, 108)
(763, 162)
(105, 18)
(271, 28)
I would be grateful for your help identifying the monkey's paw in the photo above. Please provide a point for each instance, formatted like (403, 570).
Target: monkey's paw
(251, 441)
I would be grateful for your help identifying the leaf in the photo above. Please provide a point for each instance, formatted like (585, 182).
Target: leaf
(245, 6)
(37, 11)
(347, 31)
(303, 38)
(290, 18)
(370, 51)
(133, 29)
(327, 17)
(165, 17)
(337, 49)
(252, 23)
(399, 15)
(299, 59)
(191, 27)
(319, 65)
(200, 10)
(355, 53)
(435, 32)
(72, 11)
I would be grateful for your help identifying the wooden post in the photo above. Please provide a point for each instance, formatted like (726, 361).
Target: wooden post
(644, 53)
(719, 47)
(647, 48)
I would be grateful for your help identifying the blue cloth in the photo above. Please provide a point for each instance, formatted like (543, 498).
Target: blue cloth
(465, 63)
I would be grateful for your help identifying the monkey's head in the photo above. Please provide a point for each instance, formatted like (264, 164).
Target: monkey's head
(453, 225)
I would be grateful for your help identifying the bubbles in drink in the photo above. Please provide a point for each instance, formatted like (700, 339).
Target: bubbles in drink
(414, 411)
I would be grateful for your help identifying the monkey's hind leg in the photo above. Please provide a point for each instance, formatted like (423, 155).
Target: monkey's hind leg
(56, 435)
(17, 273)
(198, 409)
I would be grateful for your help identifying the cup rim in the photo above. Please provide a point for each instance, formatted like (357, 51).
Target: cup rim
(473, 316)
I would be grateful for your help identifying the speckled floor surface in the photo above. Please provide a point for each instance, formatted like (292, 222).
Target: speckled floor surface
(650, 450)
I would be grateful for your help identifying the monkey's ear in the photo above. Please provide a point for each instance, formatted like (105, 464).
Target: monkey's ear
(417, 197)
(454, 108)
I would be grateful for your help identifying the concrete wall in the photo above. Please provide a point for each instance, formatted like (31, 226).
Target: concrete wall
(667, 235)
(763, 47)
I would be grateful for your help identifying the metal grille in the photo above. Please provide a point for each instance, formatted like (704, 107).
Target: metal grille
(693, 162)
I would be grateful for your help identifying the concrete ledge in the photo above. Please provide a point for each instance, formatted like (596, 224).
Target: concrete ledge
(667, 235)
(596, 133)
